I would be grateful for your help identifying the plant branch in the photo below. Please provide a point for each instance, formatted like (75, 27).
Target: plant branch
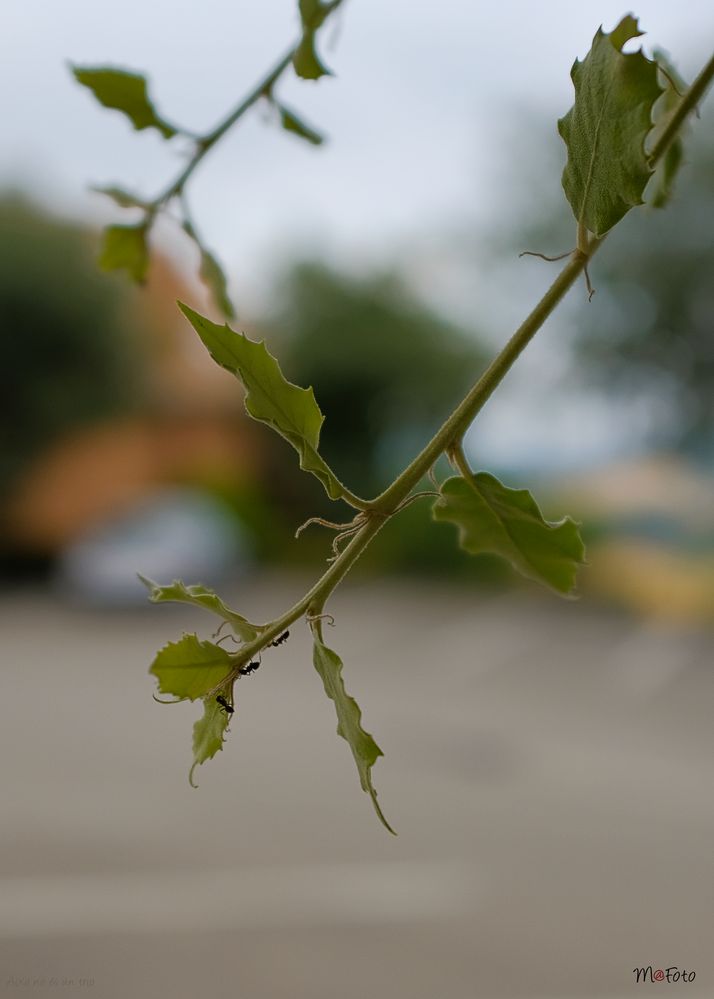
(449, 438)
(204, 143)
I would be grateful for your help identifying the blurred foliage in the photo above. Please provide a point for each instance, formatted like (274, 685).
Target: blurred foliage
(66, 354)
(648, 332)
(385, 368)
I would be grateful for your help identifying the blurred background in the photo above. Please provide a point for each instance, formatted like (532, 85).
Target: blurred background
(548, 763)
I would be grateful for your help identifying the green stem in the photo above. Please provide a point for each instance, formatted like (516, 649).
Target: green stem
(314, 600)
(685, 107)
(459, 459)
(205, 143)
(457, 424)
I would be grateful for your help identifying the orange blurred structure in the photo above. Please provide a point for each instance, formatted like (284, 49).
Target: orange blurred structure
(192, 431)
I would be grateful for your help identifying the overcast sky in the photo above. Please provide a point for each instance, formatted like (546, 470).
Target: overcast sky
(417, 114)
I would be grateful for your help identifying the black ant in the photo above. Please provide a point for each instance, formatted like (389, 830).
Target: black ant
(280, 639)
(250, 668)
(228, 708)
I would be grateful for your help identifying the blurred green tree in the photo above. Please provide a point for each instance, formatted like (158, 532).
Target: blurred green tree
(67, 354)
(385, 367)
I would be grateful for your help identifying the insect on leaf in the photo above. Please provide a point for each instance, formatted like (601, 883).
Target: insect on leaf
(189, 668)
(349, 721)
(209, 733)
(200, 596)
(605, 130)
(125, 92)
(507, 522)
(270, 398)
(124, 248)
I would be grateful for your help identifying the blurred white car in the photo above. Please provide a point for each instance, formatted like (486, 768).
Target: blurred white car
(175, 533)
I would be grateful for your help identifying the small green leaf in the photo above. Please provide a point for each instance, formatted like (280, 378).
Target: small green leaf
(662, 185)
(200, 596)
(125, 199)
(306, 61)
(125, 92)
(270, 398)
(124, 247)
(605, 130)
(364, 749)
(212, 275)
(314, 12)
(188, 669)
(507, 522)
(209, 734)
(291, 123)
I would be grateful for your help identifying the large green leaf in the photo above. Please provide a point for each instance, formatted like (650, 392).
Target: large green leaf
(270, 398)
(200, 596)
(507, 522)
(188, 669)
(124, 248)
(125, 92)
(209, 733)
(364, 749)
(605, 130)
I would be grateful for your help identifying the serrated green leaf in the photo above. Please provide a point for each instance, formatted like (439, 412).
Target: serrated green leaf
(190, 668)
(200, 596)
(291, 123)
(306, 61)
(605, 130)
(125, 92)
(364, 749)
(662, 184)
(209, 734)
(124, 248)
(507, 522)
(125, 199)
(270, 398)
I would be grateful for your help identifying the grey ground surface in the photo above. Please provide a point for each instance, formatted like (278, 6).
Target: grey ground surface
(548, 768)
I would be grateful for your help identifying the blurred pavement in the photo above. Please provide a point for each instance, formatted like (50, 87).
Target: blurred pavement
(548, 769)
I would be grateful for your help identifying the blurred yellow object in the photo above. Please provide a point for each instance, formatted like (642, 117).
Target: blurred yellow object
(652, 580)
